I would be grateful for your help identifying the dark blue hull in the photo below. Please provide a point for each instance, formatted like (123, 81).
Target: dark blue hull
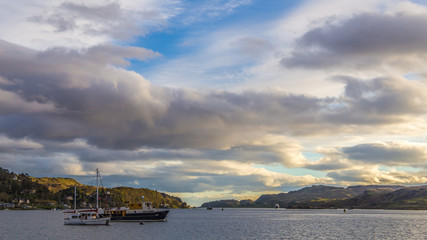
(140, 217)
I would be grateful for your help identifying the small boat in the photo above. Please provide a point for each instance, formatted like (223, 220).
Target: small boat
(209, 208)
(138, 212)
(277, 206)
(86, 216)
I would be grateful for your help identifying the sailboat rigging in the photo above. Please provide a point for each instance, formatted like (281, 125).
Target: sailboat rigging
(86, 216)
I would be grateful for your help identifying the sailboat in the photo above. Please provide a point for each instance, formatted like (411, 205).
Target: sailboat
(86, 216)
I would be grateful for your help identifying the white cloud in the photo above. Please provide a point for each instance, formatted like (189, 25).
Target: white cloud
(79, 24)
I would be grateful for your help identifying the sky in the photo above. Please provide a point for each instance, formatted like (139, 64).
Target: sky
(218, 99)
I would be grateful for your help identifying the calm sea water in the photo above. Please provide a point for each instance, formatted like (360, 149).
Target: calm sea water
(228, 224)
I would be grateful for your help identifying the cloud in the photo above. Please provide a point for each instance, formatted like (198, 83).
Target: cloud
(86, 95)
(252, 47)
(342, 163)
(172, 170)
(375, 176)
(105, 19)
(13, 103)
(374, 163)
(333, 159)
(52, 165)
(202, 10)
(205, 175)
(365, 40)
(379, 101)
(84, 86)
(12, 145)
(389, 153)
(79, 24)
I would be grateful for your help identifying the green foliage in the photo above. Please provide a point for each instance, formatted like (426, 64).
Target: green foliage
(20, 186)
(56, 184)
(222, 203)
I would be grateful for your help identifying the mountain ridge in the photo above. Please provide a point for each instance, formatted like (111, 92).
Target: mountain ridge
(322, 196)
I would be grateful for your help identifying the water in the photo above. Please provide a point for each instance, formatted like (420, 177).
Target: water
(228, 224)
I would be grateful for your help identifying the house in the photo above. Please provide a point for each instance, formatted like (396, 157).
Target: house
(7, 205)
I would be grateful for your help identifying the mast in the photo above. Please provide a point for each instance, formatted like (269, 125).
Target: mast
(97, 174)
(75, 195)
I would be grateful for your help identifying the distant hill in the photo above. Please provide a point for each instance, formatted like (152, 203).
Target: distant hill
(318, 194)
(361, 196)
(404, 198)
(229, 203)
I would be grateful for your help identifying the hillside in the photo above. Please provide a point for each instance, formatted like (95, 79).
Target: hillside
(229, 203)
(121, 195)
(15, 187)
(404, 198)
(57, 192)
(313, 193)
(362, 196)
(56, 184)
(318, 194)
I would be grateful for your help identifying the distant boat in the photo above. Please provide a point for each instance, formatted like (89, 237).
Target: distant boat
(277, 206)
(209, 208)
(138, 212)
(86, 216)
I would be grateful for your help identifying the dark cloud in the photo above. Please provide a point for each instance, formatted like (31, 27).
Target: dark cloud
(388, 154)
(378, 101)
(59, 94)
(363, 40)
(348, 163)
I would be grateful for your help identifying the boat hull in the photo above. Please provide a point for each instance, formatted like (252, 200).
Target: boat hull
(99, 221)
(157, 216)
